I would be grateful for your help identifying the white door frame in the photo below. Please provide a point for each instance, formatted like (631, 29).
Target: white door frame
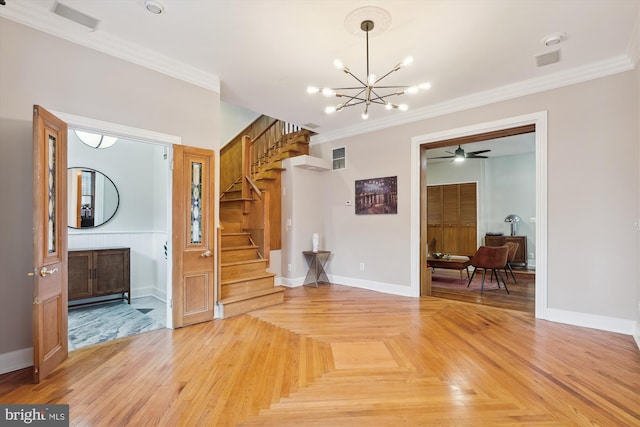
(140, 135)
(539, 119)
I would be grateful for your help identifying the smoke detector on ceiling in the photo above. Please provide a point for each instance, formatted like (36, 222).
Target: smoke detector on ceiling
(154, 7)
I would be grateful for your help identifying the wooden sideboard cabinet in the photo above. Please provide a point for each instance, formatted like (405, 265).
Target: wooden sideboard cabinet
(99, 272)
(521, 258)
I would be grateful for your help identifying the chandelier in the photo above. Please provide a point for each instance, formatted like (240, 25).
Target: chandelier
(369, 90)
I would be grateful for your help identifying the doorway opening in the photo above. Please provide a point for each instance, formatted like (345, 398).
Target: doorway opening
(135, 230)
(480, 134)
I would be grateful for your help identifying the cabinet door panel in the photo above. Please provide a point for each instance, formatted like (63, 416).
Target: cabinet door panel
(435, 232)
(110, 276)
(80, 266)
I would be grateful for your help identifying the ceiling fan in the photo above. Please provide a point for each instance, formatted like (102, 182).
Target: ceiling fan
(459, 155)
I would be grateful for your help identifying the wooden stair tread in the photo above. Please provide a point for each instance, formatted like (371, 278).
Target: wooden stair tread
(235, 248)
(246, 279)
(236, 233)
(239, 199)
(249, 261)
(251, 295)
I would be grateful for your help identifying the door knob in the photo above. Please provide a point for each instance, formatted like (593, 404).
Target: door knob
(206, 253)
(43, 272)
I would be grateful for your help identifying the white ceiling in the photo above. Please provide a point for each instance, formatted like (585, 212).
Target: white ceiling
(263, 54)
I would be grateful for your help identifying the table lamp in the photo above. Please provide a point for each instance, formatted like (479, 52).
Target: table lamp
(514, 220)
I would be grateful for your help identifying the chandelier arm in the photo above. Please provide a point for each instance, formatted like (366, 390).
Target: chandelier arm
(393, 70)
(359, 81)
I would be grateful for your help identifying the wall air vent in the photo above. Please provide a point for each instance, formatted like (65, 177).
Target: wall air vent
(75, 16)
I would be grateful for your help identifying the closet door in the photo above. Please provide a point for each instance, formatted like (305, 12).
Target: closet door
(450, 218)
(434, 215)
(468, 229)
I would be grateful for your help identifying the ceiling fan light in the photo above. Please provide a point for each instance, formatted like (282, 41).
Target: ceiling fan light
(459, 159)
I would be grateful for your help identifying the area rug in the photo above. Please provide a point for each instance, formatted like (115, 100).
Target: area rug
(105, 322)
(453, 282)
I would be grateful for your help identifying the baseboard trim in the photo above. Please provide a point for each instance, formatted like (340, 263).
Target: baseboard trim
(16, 360)
(387, 288)
(593, 321)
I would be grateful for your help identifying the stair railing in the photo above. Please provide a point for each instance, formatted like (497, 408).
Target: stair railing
(267, 145)
(256, 221)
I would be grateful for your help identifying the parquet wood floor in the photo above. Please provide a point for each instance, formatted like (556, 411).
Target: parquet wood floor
(340, 356)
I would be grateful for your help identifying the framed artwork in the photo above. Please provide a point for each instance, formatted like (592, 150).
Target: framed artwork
(377, 196)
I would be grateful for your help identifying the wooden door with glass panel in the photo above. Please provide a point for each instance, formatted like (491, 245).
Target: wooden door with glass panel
(50, 346)
(193, 236)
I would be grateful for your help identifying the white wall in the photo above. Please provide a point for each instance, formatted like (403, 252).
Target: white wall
(233, 120)
(302, 204)
(593, 196)
(41, 69)
(140, 173)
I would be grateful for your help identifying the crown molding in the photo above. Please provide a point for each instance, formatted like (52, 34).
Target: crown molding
(576, 75)
(43, 20)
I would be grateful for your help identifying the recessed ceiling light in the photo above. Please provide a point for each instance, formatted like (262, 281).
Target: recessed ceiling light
(154, 7)
(553, 39)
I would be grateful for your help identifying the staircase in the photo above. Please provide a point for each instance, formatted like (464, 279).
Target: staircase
(250, 216)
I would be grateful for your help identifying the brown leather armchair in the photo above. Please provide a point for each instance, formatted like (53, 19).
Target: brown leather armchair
(492, 258)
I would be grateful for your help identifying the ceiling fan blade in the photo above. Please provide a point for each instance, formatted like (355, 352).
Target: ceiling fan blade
(477, 157)
(443, 157)
(477, 152)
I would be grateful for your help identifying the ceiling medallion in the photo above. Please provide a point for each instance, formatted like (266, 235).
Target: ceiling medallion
(368, 91)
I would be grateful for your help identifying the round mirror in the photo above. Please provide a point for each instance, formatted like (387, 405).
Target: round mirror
(93, 198)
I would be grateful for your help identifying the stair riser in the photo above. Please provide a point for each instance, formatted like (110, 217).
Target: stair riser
(245, 287)
(230, 215)
(242, 270)
(235, 240)
(232, 227)
(245, 254)
(241, 307)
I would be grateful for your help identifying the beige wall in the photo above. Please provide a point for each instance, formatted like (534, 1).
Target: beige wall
(593, 195)
(36, 68)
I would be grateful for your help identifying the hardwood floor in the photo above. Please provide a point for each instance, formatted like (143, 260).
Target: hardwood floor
(340, 356)
(521, 297)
